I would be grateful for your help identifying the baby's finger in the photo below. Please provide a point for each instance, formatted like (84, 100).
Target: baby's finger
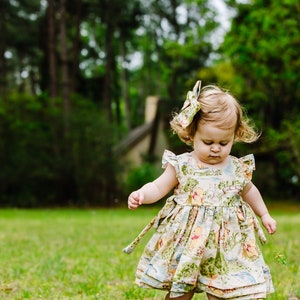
(135, 195)
(132, 204)
(273, 228)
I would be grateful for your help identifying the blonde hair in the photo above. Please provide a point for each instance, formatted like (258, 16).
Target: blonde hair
(221, 108)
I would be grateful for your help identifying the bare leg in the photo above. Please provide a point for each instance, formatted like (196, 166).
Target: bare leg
(211, 297)
(184, 297)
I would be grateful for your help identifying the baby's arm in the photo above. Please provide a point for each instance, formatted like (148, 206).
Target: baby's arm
(252, 196)
(155, 190)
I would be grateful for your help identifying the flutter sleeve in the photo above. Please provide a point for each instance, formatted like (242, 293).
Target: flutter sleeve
(248, 166)
(170, 158)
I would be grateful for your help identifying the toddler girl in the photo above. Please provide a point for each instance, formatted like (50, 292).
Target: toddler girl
(205, 234)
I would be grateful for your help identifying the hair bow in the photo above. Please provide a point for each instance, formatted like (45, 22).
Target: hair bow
(190, 107)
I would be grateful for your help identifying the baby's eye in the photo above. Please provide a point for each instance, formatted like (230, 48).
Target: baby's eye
(223, 143)
(208, 142)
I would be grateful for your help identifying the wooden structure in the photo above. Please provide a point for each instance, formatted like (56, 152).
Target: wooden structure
(147, 141)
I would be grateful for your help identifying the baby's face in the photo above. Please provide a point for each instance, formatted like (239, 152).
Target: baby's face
(212, 144)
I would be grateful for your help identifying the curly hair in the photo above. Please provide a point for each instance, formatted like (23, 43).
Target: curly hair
(219, 107)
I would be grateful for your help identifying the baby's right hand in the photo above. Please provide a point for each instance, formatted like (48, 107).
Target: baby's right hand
(135, 199)
(269, 223)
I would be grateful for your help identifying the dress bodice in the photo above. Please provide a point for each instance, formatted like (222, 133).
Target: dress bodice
(209, 186)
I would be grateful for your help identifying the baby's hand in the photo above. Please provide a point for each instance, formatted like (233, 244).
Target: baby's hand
(269, 223)
(135, 199)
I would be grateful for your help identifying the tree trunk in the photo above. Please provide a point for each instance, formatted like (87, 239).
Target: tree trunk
(32, 82)
(3, 75)
(64, 66)
(108, 72)
(124, 83)
(74, 74)
(53, 91)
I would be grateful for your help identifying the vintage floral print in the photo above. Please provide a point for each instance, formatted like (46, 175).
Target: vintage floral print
(205, 235)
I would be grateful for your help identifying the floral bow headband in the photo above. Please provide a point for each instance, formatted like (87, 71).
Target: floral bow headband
(190, 107)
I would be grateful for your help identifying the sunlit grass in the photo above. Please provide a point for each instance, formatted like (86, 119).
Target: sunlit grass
(77, 254)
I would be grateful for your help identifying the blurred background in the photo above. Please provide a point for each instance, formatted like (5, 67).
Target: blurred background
(87, 88)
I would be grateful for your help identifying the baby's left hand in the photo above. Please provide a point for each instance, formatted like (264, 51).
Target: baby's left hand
(269, 223)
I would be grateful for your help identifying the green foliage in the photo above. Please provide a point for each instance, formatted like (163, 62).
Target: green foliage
(174, 44)
(118, 54)
(285, 144)
(138, 176)
(222, 74)
(44, 163)
(261, 46)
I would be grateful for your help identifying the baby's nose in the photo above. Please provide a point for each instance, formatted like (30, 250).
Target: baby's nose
(215, 148)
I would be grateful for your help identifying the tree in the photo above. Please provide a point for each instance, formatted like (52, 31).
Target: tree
(18, 54)
(262, 46)
(52, 60)
(64, 66)
(176, 44)
(69, 50)
(3, 47)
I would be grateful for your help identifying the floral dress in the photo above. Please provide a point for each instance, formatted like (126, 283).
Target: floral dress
(205, 234)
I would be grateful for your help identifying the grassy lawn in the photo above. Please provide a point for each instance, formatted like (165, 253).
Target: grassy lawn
(77, 254)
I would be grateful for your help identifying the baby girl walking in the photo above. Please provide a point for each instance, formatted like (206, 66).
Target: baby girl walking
(205, 235)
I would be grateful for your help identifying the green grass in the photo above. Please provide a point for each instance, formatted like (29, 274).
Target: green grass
(77, 254)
